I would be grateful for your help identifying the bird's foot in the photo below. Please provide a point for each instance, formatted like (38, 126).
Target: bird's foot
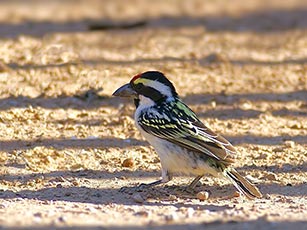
(127, 189)
(190, 189)
(141, 187)
(195, 182)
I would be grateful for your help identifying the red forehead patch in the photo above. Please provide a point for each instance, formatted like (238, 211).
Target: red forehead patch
(136, 77)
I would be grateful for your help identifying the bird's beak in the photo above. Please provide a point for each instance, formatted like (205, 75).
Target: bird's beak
(125, 91)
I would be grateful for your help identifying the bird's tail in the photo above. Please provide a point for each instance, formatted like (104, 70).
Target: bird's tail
(242, 184)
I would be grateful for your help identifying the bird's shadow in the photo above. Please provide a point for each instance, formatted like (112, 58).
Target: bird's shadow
(59, 187)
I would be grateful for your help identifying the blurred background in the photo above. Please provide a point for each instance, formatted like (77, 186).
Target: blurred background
(39, 17)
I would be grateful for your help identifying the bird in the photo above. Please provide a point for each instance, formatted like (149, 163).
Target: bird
(184, 144)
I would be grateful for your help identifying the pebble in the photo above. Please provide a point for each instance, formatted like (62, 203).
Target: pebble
(171, 217)
(236, 194)
(67, 193)
(172, 197)
(267, 196)
(38, 214)
(75, 183)
(271, 176)
(289, 144)
(142, 213)
(137, 198)
(90, 209)
(203, 195)
(128, 163)
(278, 149)
(45, 202)
(62, 219)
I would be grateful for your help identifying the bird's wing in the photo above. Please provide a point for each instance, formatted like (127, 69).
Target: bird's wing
(181, 126)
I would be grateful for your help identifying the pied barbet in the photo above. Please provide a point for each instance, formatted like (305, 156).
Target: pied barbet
(184, 144)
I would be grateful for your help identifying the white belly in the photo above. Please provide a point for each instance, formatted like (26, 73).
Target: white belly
(176, 159)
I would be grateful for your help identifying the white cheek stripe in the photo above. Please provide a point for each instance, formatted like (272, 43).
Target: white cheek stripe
(165, 90)
(146, 101)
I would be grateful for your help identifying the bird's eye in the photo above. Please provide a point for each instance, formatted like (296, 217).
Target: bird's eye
(138, 86)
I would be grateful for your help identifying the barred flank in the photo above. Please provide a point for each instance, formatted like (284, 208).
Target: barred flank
(242, 184)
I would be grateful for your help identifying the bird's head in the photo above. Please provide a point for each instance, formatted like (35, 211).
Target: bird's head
(151, 86)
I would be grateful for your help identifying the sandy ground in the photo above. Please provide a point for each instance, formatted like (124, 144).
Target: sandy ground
(67, 147)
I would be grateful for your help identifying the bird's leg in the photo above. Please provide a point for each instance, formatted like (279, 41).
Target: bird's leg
(194, 182)
(190, 187)
(166, 177)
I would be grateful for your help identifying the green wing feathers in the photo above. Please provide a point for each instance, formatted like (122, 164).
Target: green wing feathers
(178, 124)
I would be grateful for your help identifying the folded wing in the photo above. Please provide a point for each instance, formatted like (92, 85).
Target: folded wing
(180, 126)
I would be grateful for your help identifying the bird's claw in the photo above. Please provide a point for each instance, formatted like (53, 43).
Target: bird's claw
(139, 188)
(125, 189)
(142, 187)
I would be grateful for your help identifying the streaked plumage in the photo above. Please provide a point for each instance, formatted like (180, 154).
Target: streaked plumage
(183, 143)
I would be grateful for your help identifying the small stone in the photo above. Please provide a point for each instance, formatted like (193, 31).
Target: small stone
(142, 213)
(278, 149)
(62, 219)
(67, 193)
(203, 195)
(75, 183)
(60, 179)
(262, 155)
(296, 126)
(172, 217)
(128, 163)
(267, 196)
(282, 199)
(246, 106)
(172, 197)
(90, 209)
(271, 176)
(103, 162)
(137, 198)
(122, 178)
(289, 144)
(213, 104)
(38, 214)
(45, 202)
(236, 194)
